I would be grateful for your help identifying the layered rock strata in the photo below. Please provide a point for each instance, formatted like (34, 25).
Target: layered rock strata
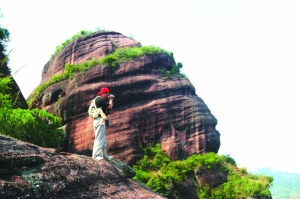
(85, 48)
(147, 109)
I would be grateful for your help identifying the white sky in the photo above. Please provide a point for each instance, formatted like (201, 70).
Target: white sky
(241, 56)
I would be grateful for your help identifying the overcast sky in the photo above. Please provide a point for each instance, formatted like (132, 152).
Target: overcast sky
(241, 56)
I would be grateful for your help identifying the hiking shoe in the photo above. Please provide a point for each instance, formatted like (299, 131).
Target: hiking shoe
(108, 157)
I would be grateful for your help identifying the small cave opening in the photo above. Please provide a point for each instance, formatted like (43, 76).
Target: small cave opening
(57, 95)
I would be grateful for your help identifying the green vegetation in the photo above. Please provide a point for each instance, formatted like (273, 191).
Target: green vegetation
(35, 126)
(174, 72)
(240, 184)
(119, 56)
(77, 35)
(285, 185)
(158, 172)
(112, 60)
(69, 71)
(129, 53)
(4, 38)
(62, 45)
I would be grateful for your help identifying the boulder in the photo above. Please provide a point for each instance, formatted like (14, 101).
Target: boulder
(147, 108)
(213, 177)
(30, 171)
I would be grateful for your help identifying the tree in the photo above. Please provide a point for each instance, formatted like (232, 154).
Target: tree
(179, 64)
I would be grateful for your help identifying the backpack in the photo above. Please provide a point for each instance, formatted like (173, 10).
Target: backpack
(93, 113)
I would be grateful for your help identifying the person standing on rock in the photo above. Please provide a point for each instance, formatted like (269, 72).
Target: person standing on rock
(104, 103)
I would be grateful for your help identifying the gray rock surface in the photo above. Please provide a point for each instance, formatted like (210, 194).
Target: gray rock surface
(29, 171)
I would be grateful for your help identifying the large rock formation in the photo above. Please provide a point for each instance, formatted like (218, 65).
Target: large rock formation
(147, 109)
(29, 171)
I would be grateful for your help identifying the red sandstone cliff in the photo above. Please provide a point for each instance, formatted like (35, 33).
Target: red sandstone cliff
(147, 109)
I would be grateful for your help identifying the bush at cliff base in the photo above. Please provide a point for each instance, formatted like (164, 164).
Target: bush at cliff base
(35, 126)
(159, 173)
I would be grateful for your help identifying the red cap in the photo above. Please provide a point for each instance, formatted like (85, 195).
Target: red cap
(103, 90)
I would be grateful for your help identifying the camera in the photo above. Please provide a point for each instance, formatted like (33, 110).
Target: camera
(111, 96)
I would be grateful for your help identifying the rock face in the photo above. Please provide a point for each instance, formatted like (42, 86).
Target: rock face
(97, 45)
(29, 171)
(213, 177)
(188, 188)
(147, 109)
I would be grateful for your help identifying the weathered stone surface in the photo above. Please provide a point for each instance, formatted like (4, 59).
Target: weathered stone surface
(147, 109)
(188, 188)
(97, 45)
(127, 171)
(213, 177)
(29, 171)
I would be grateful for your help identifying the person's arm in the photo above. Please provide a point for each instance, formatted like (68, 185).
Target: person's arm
(110, 106)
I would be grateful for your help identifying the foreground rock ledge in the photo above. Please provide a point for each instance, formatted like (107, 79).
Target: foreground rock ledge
(30, 171)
